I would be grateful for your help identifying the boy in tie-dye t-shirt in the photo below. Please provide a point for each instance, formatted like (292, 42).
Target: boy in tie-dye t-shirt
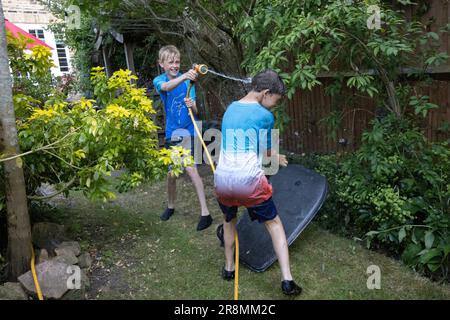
(239, 178)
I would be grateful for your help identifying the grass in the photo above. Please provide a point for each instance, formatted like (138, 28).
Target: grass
(137, 256)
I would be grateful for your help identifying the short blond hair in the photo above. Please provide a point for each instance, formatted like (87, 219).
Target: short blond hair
(167, 52)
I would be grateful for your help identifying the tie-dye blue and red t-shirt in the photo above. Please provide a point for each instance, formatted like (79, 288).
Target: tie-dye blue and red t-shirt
(246, 135)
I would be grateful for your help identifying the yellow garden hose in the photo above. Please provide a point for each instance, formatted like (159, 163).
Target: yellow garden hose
(236, 266)
(211, 163)
(198, 68)
(33, 272)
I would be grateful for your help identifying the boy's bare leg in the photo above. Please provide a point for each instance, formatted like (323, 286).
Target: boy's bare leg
(276, 231)
(229, 228)
(199, 188)
(171, 190)
(171, 195)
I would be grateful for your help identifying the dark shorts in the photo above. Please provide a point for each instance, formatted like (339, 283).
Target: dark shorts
(265, 211)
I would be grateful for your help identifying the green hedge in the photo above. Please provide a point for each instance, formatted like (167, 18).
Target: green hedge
(393, 193)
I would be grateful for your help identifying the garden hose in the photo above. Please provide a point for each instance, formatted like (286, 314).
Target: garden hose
(33, 272)
(203, 69)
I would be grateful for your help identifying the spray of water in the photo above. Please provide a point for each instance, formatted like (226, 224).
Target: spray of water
(246, 81)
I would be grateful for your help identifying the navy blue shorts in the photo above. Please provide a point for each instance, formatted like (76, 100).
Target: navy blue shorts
(265, 211)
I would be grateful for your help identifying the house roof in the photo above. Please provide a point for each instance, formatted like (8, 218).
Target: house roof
(15, 30)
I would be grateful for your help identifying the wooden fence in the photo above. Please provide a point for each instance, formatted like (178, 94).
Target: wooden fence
(306, 132)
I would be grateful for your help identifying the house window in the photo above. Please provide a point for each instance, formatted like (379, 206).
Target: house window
(38, 33)
(62, 57)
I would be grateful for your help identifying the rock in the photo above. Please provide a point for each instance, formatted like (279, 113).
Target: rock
(85, 261)
(81, 293)
(71, 246)
(45, 190)
(75, 295)
(12, 291)
(85, 282)
(43, 256)
(52, 277)
(65, 256)
(48, 235)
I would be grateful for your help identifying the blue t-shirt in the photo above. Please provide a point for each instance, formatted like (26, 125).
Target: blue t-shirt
(249, 126)
(177, 114)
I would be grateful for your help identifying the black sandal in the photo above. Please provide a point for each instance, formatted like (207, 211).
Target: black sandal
(290, 288)
(227, 275)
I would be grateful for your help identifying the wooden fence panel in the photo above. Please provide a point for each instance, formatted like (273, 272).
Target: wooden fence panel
(307, 133)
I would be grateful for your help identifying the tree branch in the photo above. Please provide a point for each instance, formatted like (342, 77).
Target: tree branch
(217, 22)
(56, 156)
(389, 85)
(47, 147)
(252, 6)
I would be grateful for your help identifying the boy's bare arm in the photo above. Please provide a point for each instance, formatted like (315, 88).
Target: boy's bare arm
(172, 84)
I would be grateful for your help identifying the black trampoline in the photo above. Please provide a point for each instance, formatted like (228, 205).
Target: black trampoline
(298, 194)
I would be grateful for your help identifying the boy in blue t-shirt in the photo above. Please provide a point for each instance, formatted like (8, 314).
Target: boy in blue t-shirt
(239, 178)
(172, 87)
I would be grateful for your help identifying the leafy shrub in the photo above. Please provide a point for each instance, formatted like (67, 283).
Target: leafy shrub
(77, 145)
(394, 192)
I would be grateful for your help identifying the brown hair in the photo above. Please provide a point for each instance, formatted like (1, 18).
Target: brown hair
(268, 79)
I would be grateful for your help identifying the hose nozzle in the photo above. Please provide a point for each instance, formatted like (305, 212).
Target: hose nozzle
(200, 68)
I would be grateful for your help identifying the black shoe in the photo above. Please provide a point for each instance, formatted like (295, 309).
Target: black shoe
(290, 288)
(167, 214)
(205, 222)
(227, 275)
(219, 233)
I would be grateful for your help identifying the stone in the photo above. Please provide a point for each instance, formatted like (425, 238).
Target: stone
(43, 256)
(81, 293)
(52, 277)
(12, 291)
(85, 260)
(45, 190)
(47, 235)
(66, 256)
(75, 295)
(69, 246)
(85, 282)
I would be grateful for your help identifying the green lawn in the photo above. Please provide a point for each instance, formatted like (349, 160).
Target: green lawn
(141, 257)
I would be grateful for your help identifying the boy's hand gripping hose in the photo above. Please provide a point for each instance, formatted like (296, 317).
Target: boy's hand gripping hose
(203, 69)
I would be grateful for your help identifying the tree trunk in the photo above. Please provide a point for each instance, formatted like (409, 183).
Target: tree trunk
(19, 230)
(394, 105)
